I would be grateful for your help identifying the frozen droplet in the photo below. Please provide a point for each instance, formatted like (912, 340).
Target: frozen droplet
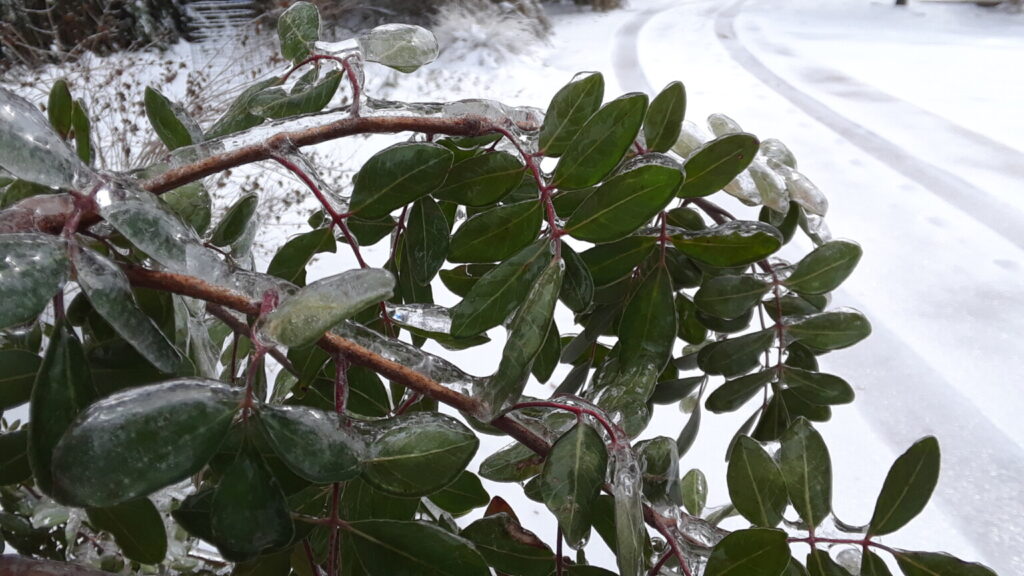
(801, 190)
(774, 148)
(850, 559)
(771, 186)
(721, 125)
(744, 189)
(691, 137)
(404, 47)
(31, 150)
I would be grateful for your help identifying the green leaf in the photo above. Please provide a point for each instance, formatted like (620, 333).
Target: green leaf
(938, 564)
(497, 233)
(730, 296)
(249, 514)
(824, 269)
(573, 474)
(135, 442)
(908, 487)
(665, 118)
(830, 330)
(569, 110)
(391, 548)
(736, 355)
(397, 176)
(672, 391)
(461, 279)
(624, 203)
(737, 392)
(297, 29)
(873, 565)
(315, 445)
(81, 126)
(711, 167)
(816, 387)
(646, 333)
(754, 552)
(111, 296)
(164, 119)
(601, 143)
(304, 317)
(465, 494)
(14, 462)
(807, 468)
(508, 547)
(238, 117)
(819, 563)
(756, 485)
(611, 262)
(526, 335)
(33, 269)
(546, 361)
(514, 463)
(18, 370)
(235, 221)
(292, 258)
(695, 492)
(689, 327)
(137, 528)
(577, 286)
(62, 389)
(689, 432)
(659, 462)
(277, 564)
(482, 180)
(274, 102)
(426, 240)
(732, 244)
(192, 203)
(419, 454)
(369, 232)
(500, 291)
(59, 107)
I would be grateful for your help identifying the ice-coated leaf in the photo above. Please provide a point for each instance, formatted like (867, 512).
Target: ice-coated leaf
(817, 387)
(672, 391)
(938, 564)
(163, 116)
(908, 487)
(526, 335)
(807, 468)
(403, 47)
(82, 128)
(482, 180)
(801, 190)
(871, 564)
(31, 150)
(315, 445)
(249, 514)
(18, 370)
(397, 176)
(577, 285)
(730, 296)
(646, 332)
(572, 477)
(830, 330)
(59, 106)
(665, 118)
(497, 233)
(569, 110)
(756, 485)
(111, 296)
(62, 389)
(659, 462)
(500, 291)
(238, 117)
(303, 318)
(611, 262)
(292, 258)
(465, 494)
(631, 539)
(824, 269)
(33, 268)
(753, 552)
(731, 244)
(297, 29)
(715, 164)
(192, 203)
(235, 221)
(369, 232)
(624, 203)
(819, 563)
(14, 463)
(736, 392)
(514, 463)
(601, 143)
(546, 361)
(426, 240)
(695, 492)
(274, 102)
(689, 327)
(419, 454)
(736, 355)
(508, 547)
(392, 547)
(135, 442)
(137, 528)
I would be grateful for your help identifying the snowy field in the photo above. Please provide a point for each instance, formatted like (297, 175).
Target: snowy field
(908, 119)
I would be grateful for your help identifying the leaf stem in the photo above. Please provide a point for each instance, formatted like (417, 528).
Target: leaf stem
(577, 410)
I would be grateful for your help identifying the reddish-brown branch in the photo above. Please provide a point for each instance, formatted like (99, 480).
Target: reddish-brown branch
(21, 566)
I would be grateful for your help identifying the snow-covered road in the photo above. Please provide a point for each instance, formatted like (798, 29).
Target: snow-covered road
(932, 191)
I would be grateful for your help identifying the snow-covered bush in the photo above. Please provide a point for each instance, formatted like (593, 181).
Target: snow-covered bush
(182, 402)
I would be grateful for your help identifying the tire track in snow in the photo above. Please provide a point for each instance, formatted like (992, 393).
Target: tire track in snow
(909, 398)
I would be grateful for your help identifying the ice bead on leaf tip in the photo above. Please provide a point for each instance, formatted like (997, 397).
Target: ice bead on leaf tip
(404, 47)
(31, 150)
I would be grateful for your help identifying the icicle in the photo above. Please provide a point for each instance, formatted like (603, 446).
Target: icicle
(403, 47)
(630, 533)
